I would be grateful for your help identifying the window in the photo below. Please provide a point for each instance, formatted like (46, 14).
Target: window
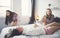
(4, 5)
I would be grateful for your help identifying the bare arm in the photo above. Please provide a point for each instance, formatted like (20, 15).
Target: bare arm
(44, 20)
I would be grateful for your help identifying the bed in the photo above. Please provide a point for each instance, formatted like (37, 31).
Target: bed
(7, 29)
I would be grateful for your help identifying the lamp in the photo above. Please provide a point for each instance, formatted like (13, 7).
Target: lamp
(37, 18)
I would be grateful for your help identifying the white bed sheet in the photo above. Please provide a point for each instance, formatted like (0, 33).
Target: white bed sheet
(6, 30)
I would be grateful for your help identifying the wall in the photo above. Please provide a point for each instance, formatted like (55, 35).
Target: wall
(17, 6)
(23, 9)
(4, 5)
(41, 6)
(26, 7)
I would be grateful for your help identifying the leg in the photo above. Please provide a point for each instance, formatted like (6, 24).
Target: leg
(53, 24)
(51, 30)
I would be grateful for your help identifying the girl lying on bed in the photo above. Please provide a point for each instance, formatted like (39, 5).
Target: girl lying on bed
(35, 30)
(38, 29)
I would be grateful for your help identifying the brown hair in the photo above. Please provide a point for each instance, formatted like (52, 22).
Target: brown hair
(49, 10)
(8, 17)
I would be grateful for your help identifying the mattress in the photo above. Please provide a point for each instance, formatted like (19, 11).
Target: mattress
(55, 35)
(5, 31)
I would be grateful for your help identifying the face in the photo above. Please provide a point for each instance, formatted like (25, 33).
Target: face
(48, 12)
(20, 29)
(7, 13)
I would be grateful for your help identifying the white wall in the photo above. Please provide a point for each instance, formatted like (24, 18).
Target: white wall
(26, 7)
(17, 6)
(4, 5)
(23, 9)
(41, 6)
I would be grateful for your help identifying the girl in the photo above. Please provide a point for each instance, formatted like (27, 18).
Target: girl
(49, 17)
(11, 18)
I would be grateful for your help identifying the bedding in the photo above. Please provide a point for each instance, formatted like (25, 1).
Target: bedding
(29, 35)
(33, 29)
(55, 35)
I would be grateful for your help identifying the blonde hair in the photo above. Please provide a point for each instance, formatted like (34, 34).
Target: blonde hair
(49, 10)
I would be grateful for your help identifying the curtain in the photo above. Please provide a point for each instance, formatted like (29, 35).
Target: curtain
(32, 19)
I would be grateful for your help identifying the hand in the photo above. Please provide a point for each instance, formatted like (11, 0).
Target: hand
(13, 23)
(35, 26)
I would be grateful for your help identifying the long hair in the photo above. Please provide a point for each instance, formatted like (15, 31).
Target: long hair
(50, 13)
(14, 16)
(8, 18)
(49, 10)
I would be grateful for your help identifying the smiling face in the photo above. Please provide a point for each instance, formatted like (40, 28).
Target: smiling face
(7, 13)
(48, 12)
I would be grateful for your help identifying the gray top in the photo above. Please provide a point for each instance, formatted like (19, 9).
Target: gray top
(49, 20)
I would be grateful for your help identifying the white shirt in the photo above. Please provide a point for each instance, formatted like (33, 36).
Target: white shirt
(31, 30)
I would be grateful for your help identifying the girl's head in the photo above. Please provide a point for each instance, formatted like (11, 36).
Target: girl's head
(48, 11)
(20, 29)
(9, 15)
(8, 12)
